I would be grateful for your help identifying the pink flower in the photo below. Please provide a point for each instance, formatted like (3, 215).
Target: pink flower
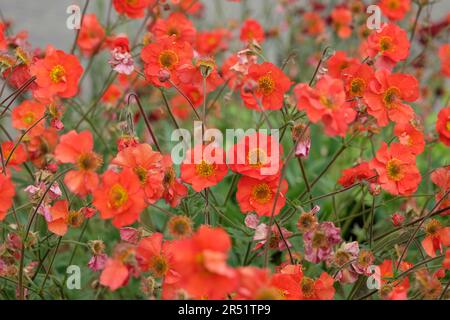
(320, 241)
(344, 258)
(121, 62)
(130, 235)
(98, 262)
(251, 221)
(275, 241)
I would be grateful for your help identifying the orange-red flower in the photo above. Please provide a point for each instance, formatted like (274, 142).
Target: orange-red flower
(268, 84)
(120, 197)
(356, 79)
(3, 42)
(204, 167)
(27, 114)
(396, 169)
(436, 237)
(59, 215)
(443, 125)
(7, 193)
(294, 285)
(393, 289)
(252, 30)
(146, 164)
(444, 56)
(395, 9)
(155, 255)
(210, 42)
(360, 172)
(258, 196)
(132, 9)
(176, 24)
(174, 190)
(192, 74)
(256, 284)
(409, 135)
(16, 156)
(313, 23)
(386, 94)
(202, 264)
(57, 74)
(41, 145)
(326, 102)
(339, 62)
(342, 21)
(257, 156)
(77, 148)
(441, 178)
(391, 43)
(168, 55)
(91, 35)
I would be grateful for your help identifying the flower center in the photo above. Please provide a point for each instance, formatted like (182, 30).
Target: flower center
(168, 59)
(266, 84)
(180, 226)
(319, 240)
(307, 287)
(393, 4)
(204, 169)
(169, 177)
(432, 227)
(173, 31)
(159, 266)
(29, 118)
(118, 196)
(57, 73)
(447, 125)
(365, 258)
(262, 193)
(257, 157)
(141, 173)
(385, 43)
(357, 86)
(390, 95)
(327, 102)
(89, 161)
(268, 294)
(75, 218)
(394, 170)
(342, 257)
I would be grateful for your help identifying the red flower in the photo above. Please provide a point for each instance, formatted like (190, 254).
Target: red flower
(202, 265)
(396, 168)
(386, 94)
(16, 157)
(257, 156)
(165, 54)
(190, 74)
(342, 20)
(203, 167)
(339, 62)
(256, 284)
(174, 190)
(208, 43)
(443, 125)
(358, 173)
(393, 289)
(326, 102)
(391, 43)
(395, 9)
(313, 23)
(270, 84)
(7, 193)
(437, 236)
(59, 217)
(77, 148)
(252, 30)
(120, 197)
(155, 255)
(41, 145)
(444, 56)
(441, 178)
(57, 74)
(259, 195)
(146, 164)
(410, 136)
(176, 24)
(132, 9)
(91, 35)
(356, 79)
(3, 42)
(294, 285)
(27, 114)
